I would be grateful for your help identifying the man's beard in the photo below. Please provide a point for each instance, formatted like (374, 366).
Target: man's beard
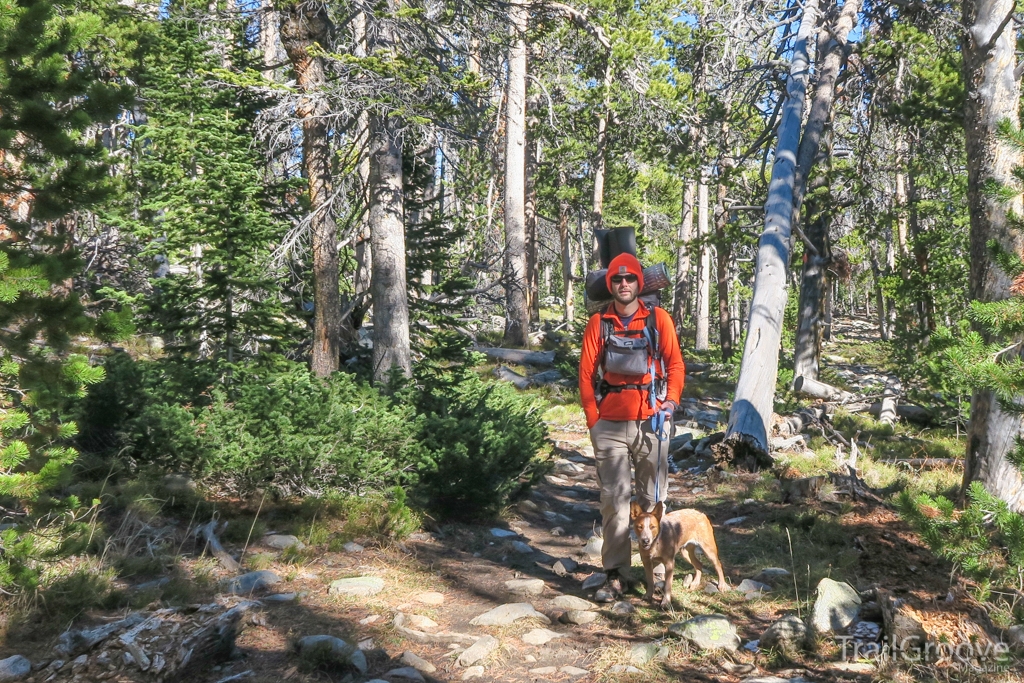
(625, 298)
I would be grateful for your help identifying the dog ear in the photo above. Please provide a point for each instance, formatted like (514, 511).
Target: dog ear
(635, 510)
(659, 510)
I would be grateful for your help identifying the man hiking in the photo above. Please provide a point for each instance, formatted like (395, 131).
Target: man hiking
(631, 377)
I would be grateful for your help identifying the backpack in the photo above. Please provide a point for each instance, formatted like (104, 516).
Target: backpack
(631, 352)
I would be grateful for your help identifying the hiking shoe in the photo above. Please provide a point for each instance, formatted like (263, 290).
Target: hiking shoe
(614, 586)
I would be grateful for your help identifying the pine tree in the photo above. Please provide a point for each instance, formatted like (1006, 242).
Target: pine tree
(50, 95)
(204, 202)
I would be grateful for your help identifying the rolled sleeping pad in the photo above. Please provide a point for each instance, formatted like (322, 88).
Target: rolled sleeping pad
(655, 279)
(614, 241)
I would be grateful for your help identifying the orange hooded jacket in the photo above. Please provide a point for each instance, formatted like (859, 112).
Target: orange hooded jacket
(629, 404)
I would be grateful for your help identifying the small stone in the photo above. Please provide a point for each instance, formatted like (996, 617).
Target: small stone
(643, 653)
(253, 581)
(503, 533)
(752, 646)
(580, 617)
(544, 670)
(359, 585)
(750, 586)
(540, 636)
(422, 537)
(555, 480)
(605, 595)
(406, 672)
(593, 548)
(430, 598)
(528, 506)
(564, 566)
(572, 602)
(772, 575)
(280, 597)
(283, 541)
(708, 632)
(525, 586)
(333, 649)
(353, 547)
(733, 521)
(557, 531)
(624, 669)
(523, 548)
(478, 650)
(507, 614)
(365, 644)
(699, 489)
(853, 667)
(421, 623)
(574, 671)
(623, 608)
(594, 580)
(417, 662)
(473, 672)
(711, 588)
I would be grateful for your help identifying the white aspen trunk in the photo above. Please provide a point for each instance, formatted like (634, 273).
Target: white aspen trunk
(747, 434)
(703, 305)
(597, 207)
(565, 242)
(363, 252)
(388, 286)
(683, 239)
(530, 213)
(993, 96)
(517, 311)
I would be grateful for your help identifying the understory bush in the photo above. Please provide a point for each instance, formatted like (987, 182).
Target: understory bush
(461, 446)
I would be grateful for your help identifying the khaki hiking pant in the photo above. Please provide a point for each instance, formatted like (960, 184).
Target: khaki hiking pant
(617, 445)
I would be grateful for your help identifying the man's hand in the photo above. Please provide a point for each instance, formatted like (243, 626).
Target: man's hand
(668, 408)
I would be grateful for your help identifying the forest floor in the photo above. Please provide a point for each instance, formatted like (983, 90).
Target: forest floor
(452, 573)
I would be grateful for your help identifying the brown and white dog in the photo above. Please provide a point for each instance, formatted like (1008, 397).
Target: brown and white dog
(661, 536)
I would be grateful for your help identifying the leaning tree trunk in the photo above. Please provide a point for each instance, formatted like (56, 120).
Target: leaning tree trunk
(600, 160)
(388, 287)
(747, 434)
(993, 94)
(702, 309)
(517, 310)
(685, 236)
(304, 26)
(832, 52)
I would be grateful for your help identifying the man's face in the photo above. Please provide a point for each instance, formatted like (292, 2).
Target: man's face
(625, 288)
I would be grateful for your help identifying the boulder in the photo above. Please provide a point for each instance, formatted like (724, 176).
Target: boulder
(14, 668)
(253, 581)
(569, 602)
(283, 541)
(430, 598)
(406, 673)
(751, 586)
(522, 548)
(525, 586)
(643, 653)
(478, 651)
(579, 617)
(622, 608)
(507, 614)
(540, 636)
(773, 576)
(592, 549)
(835, 608)
(330, 650)
(359, 585)
(595, 580)
(564, 566)
(708, 632)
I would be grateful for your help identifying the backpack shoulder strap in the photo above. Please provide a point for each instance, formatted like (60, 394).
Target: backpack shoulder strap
(652, 331)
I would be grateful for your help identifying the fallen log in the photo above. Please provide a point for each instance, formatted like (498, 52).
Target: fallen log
(782, 444)
(924, 463)
(794, 424)
(520, 382)
(815, 389)
(519, 356)
(909, 413)
(209, 533)
(887, 408)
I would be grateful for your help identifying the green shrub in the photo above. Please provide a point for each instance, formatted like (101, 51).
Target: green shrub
(482, 440)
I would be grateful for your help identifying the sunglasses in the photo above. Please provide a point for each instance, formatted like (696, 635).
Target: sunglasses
(616, 279)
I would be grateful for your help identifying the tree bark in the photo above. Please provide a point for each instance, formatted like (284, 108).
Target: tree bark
(723, 254)
(565, 242)
(702, 312)
(530, 211)
(993, 95)
(747, 433)
(683, 239)
(363, 253)
(814, 281)
(388, 286)
(517, 310)
(597, 208)
(302, 27)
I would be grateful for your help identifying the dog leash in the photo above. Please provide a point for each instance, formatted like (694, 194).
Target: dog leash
(658, 427)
